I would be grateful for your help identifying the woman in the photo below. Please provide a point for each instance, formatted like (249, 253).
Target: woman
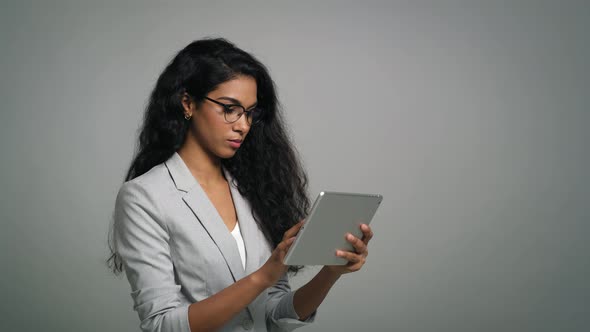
(212, 200)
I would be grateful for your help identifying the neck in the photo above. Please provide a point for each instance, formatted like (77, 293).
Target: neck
(203, 165)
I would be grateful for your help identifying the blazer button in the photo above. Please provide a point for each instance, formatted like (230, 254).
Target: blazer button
(247, 323)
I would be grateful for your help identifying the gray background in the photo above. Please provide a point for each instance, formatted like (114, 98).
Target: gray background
(469, 117)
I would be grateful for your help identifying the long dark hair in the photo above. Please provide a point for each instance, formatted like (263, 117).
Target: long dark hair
(266, 167)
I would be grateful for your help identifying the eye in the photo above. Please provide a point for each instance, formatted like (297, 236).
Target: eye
(232, 109)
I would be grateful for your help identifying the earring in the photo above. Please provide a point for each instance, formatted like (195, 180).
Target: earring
(187, 116)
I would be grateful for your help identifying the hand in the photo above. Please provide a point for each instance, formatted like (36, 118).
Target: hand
(355, 259)
(274, 268)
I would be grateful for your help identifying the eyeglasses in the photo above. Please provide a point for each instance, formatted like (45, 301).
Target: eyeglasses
(233, 112)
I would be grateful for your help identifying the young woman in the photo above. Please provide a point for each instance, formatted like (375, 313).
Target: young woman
(212, 202)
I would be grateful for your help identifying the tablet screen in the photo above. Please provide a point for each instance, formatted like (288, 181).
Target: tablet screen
(332, 216)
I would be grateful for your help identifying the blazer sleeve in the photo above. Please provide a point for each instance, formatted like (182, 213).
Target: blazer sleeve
(142, 241)
(280, 312)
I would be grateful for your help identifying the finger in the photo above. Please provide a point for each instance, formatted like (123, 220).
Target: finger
(355, 267)
(367, 233)
(293, 230)
(351, 257)
(283, 248)
(286, 244)
(359, 246)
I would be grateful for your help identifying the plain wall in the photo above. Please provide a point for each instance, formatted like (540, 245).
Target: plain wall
(470, 117)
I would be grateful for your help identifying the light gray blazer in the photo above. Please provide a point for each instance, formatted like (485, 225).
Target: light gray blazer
(176, 250)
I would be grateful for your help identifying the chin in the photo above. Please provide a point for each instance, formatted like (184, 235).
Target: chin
(226, 154)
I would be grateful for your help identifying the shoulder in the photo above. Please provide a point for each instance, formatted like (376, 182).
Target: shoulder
(156, 181)
(146, 190)
(138, 205)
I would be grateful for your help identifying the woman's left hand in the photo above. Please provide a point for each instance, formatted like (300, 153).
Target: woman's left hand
(355, 259)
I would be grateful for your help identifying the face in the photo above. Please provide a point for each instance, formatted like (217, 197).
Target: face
(209, 130)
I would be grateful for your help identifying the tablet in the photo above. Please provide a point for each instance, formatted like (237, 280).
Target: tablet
(332, 215)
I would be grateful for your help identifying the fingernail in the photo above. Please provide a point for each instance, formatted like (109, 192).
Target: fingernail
(350, 237)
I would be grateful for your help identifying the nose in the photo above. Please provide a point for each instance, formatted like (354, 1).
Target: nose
(242, 124)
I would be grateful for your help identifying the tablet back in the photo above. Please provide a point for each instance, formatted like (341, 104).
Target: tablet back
(332, 215)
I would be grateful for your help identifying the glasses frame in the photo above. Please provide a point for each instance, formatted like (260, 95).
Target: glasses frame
(249, 114)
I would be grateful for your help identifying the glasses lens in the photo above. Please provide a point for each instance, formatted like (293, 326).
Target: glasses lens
(233, 112)
(255, 116)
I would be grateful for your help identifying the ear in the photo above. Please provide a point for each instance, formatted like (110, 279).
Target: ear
(187, 103)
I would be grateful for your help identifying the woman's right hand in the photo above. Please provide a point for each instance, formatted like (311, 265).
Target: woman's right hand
(274, 268)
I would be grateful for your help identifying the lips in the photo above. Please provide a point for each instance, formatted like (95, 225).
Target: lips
(235, 143)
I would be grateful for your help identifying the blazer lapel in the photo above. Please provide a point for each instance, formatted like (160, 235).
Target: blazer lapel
(248, 226)
(198, 201)
(250, 233)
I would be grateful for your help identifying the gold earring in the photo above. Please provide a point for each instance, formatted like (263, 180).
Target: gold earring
(187, 116)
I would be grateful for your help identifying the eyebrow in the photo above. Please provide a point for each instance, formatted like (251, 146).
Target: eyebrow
(235, 101)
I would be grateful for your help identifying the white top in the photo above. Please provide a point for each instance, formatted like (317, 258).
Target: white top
(240, 241)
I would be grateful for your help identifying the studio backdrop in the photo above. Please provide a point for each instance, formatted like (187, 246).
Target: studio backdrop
(470, 117)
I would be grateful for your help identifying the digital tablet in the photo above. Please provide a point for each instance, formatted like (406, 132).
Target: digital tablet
(332, 215)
